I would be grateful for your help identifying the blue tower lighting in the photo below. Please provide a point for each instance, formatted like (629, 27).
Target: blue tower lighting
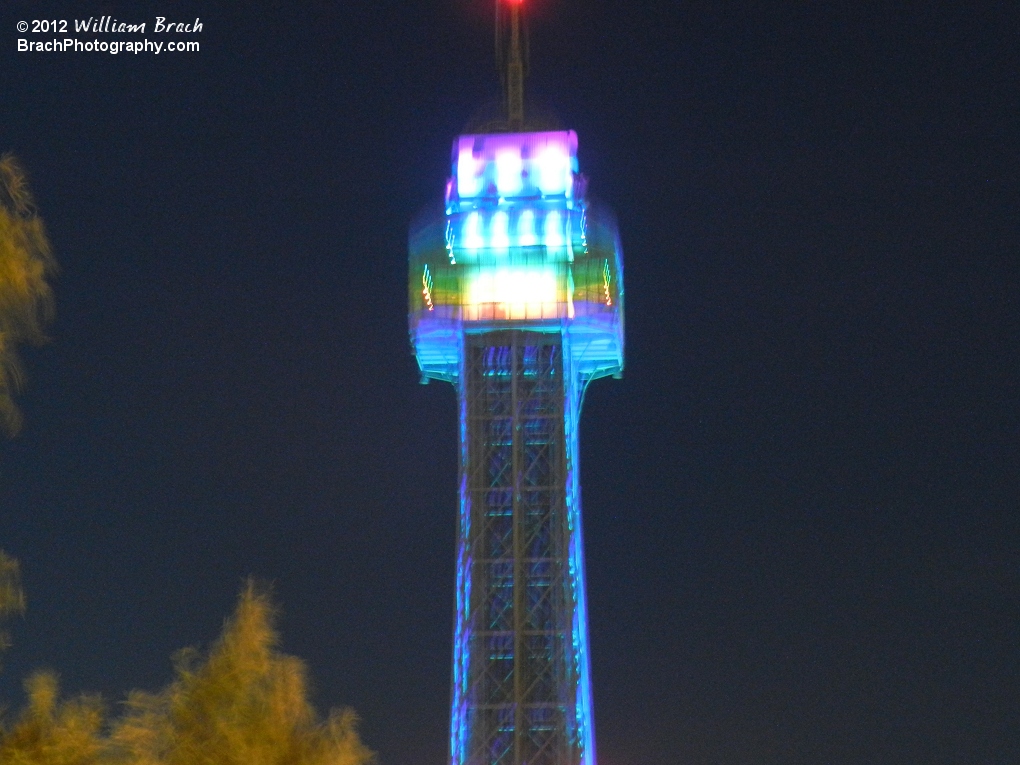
(516, 297)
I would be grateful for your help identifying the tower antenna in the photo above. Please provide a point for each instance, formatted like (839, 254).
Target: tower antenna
(512, 58)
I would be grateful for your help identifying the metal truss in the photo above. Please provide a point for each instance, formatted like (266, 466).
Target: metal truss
(518, 675)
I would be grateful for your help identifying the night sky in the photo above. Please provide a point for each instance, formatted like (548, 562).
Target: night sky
(801, 502)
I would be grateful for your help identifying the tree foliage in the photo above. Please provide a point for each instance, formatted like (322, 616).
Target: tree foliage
(244, 703)
(51, 732)
(12, 597)
(26, 301)
(241, 703)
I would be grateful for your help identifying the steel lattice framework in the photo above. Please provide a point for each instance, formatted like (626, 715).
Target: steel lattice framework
(518, 691)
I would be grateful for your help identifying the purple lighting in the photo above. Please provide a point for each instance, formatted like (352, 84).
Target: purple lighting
(515, 165)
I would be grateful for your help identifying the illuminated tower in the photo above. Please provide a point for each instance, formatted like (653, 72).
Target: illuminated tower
(516, 297)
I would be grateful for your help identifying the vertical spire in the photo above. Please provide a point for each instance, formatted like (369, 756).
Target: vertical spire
(512, 55)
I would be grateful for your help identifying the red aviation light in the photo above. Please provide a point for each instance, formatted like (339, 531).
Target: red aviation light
(514, 2)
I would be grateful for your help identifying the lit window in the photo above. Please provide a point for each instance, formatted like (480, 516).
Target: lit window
(508, 172)
(553, 170)
(514, 287)
(472, 236)
(526, 229)
(499, 230)
(553, 234)
(469, 174)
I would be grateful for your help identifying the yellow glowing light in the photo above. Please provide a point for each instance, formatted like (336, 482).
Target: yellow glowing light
(513, 293)
(426, 288)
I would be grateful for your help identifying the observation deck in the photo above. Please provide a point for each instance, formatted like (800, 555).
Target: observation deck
(518, 246)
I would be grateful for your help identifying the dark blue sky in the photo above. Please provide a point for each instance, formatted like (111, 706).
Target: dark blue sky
(802, 502)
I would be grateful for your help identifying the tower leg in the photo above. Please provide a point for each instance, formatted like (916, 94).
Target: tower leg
(520, 668)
